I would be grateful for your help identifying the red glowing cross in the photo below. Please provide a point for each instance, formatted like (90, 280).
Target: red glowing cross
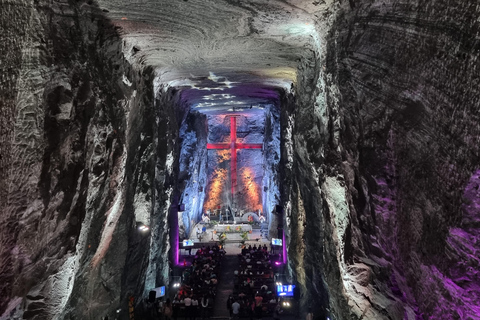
(233, 145)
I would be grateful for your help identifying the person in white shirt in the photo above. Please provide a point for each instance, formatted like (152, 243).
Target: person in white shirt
(194, 309)
(235, 309)
(188, 307)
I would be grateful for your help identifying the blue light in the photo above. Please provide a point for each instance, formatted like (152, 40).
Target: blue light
(187, 243)
(285, 290)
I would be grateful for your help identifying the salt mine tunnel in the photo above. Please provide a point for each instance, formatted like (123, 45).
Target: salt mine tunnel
(350, 127)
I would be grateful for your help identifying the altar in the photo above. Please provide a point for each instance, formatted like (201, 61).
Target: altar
(233, 228)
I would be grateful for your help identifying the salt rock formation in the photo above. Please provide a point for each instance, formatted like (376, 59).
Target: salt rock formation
(375, 104)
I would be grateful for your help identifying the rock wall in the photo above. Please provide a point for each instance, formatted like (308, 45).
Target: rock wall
(379, 163)
(396, 144)
(193, 167)
(78, 149)
(271, 160)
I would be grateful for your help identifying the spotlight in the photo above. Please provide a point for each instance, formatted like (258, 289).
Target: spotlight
(286, 304)
(143, 228)
(118, 310)
(278, 283)
(176, 285)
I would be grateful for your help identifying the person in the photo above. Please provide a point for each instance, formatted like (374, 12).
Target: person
(262, 218)
(251, 308)
(160, 307)
(176, 308)
(258, 306)
(194, 309)
(206, 219)
(235, 309)
(204, 304)
(167, 309)
(229, 305)
(188, 306)
(277, 311)
(199, 232)
(309, 314)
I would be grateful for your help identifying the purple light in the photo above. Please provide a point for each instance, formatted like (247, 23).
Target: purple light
(177, 246)
(277, 263)
(284, 247)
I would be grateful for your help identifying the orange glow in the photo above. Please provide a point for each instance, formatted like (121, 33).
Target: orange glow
(214, 194)
(124, 18)
(223, 155)
(251, 188)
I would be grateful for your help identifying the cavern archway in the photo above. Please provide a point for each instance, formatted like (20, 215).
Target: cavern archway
(210, 180)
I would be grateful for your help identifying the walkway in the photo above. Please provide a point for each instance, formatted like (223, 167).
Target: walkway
(225, 286)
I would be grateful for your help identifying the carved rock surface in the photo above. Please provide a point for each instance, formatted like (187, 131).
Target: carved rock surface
(375, 103)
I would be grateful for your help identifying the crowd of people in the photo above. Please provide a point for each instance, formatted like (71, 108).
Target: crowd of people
(254, 288)
(196, 295)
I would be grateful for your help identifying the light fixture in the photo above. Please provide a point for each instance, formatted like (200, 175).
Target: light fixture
(278, 283)
(118, 310)
(286, 304)
(176, 285)
(143, 228)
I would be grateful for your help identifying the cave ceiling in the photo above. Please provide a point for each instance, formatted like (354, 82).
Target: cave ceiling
(224, 55)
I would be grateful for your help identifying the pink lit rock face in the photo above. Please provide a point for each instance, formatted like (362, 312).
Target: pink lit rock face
(462, 276)
(404, 155)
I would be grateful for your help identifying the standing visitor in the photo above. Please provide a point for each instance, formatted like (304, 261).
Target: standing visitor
(167, 310)
(258, 306)
(235, 310)
(309, 314)
(229, 305)
(176, 308)
(204, 304)
(194, 308)
(160, 308)
(188, 307)
(277, 311)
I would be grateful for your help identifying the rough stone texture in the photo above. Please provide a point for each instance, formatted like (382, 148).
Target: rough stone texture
(408, 144)
(378, 109)
(78, 126)
(193, 168)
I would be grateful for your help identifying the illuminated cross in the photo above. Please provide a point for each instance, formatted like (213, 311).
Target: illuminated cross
(233, 145)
